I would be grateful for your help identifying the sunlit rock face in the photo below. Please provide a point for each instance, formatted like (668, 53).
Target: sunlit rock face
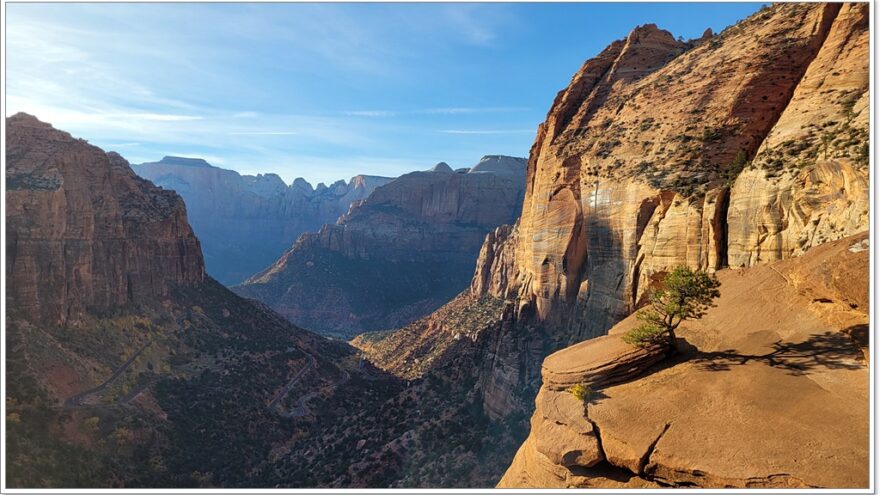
(83, 231)
(739, 403)
(639, 165)
(738, 150)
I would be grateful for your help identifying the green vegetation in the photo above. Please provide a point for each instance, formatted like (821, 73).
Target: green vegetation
(712, 134)
(684, 295)
(581, 392)
(740, 162)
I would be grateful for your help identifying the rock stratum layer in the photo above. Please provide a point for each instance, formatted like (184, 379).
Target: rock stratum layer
(246, 222)
(757, 152)
(396, 256)
(83, 232)
(744, 404)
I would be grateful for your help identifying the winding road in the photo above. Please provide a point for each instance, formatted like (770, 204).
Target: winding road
(78, 399)
(292, 383)
(301, 409)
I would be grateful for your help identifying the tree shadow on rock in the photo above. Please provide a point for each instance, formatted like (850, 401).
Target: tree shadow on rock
(596, 397)
(828, 350)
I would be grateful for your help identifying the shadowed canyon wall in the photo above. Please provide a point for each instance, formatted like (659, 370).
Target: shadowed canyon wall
(246, 222)
(396, 256)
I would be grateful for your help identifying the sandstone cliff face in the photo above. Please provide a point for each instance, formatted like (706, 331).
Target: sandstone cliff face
(246, 222)
(662, 153)
(745, 404)
(618, 192)
(396, 256)
(812, 186)
(83, 231)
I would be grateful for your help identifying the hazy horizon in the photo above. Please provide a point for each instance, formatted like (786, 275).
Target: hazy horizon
(323, 92)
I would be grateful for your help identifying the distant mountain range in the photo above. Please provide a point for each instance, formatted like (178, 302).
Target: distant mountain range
(397, 255)
(246, 222)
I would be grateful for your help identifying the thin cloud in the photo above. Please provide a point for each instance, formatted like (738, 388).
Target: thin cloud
(460, 110)
(433, 111)
(159, 117)
(264, 133)
(370, 113)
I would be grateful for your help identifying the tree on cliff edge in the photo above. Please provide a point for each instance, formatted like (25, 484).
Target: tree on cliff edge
(684, 295)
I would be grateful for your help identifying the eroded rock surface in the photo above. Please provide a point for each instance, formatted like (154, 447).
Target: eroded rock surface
(744, 404)
(812, 184)
(83, 232)
(629, 177)
(618, 194)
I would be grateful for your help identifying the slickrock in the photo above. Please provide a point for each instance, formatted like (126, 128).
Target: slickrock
(562, 432)
(83, 231)
(598, 362)
(396, 256)
(746, 401)
(246, 222)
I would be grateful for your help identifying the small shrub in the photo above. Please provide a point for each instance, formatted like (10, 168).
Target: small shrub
(740, 161)
(581, 392)
(711, 134)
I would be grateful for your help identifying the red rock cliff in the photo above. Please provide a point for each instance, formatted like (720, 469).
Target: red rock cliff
(83, 231)
(637, 167)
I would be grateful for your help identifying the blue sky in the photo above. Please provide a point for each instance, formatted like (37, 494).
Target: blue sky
(321, 91)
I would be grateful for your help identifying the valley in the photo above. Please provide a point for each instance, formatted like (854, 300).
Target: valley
(178, 325)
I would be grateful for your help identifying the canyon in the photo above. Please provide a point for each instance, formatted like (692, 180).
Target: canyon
(153, 374)
(246, 222)
(397, 255)
(742, 153)
(128, 365)
(727, 152)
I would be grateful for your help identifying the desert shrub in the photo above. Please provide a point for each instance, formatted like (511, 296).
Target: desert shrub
(581, 392)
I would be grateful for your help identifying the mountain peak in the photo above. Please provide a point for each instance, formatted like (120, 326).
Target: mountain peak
(442, 167)
(500, 165)
(184, 161)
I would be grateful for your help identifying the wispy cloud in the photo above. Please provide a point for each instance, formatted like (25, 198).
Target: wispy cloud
(434, 111)
(159, 117)
(123, 145)
(370, 113)
(264, 133)
(258, 85)
(461, 110)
